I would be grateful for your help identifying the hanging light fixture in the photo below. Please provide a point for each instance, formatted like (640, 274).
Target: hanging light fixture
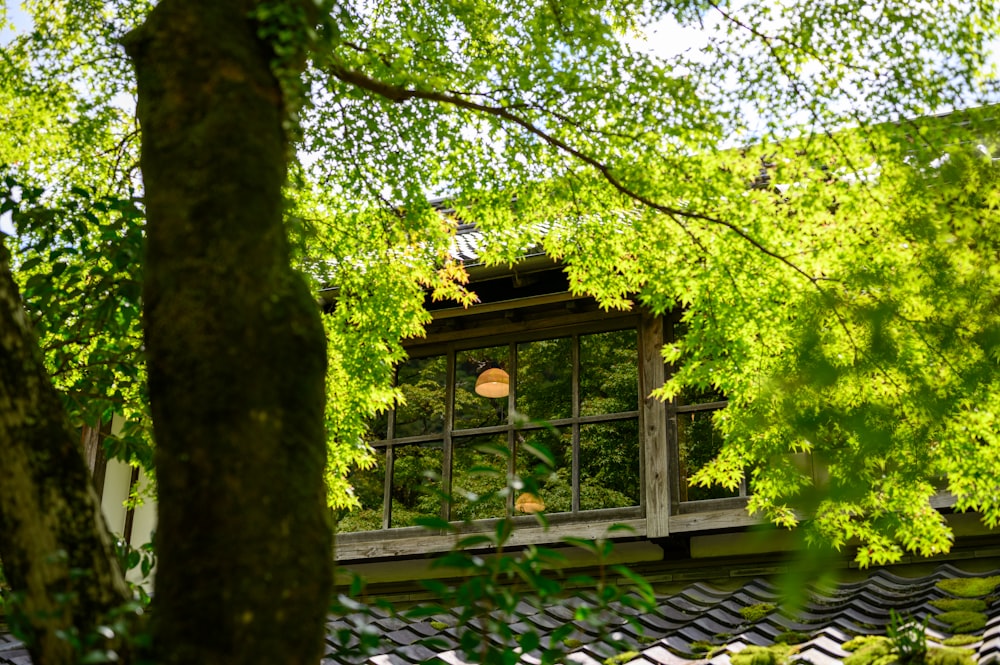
(493, 383)
(529, 503)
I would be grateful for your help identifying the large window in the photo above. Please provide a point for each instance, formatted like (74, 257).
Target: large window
(474, 413)
(485, 389)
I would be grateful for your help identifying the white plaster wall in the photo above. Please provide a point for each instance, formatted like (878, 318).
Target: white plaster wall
(117, 478)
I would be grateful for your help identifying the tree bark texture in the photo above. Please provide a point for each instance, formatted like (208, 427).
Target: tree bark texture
(235, 350)
(57, 552)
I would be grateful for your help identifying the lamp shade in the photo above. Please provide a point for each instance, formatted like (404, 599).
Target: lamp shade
(494, 382)
(529, 503)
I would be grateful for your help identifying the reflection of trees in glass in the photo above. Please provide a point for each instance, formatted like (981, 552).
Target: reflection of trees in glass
(609, 373)
(423, 382)
(479, 469)
(545, 379)
(472, 410)
(543, 389)
(698, 442)
(413, 493)
(368, 487)
(377, 427)
(609, 464)
(554, 485)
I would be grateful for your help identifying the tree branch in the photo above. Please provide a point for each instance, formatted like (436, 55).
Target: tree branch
(400, 94)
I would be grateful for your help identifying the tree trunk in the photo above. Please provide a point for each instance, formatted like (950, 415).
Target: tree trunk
(235, 351)
(57, 552)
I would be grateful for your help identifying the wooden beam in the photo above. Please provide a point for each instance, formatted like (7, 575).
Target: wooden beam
(350, 549)
(653, 425)
(712, 520)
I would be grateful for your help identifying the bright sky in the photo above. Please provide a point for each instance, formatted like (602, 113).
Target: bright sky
(20, 21)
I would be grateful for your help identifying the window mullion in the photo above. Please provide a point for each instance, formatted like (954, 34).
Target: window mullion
(387, 487)
(575, 360)
(447, 450)
(511, 399)
(390, 431)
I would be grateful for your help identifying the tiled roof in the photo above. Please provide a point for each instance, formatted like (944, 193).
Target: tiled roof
(701, 623)
(469, 239)
(12, 652)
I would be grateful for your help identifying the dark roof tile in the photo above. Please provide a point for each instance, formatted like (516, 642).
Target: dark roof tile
(667, 635)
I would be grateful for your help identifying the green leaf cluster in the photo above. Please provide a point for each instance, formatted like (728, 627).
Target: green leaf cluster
(834, 260)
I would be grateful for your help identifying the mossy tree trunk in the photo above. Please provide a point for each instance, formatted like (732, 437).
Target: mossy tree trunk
(235, 351)
(57, 552)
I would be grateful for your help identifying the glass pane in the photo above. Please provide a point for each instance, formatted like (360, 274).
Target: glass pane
(487, 405)
(609, 465)
(479, 477)
(550, 488)
(368, 486)
(609, 373)
(698, 442)
(416, 482)
(422, 382)
(545, 379)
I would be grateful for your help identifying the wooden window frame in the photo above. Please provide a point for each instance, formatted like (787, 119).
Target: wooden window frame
(660, 512)
(450, 434)
(699, 515)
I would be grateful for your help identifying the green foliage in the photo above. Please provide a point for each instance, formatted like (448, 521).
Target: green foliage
(823, 309)
(959, 604)
(623, 657)
(754, 613)
(962, 621)
(877, 650)
(79, 262)
(845, 303)
(869, 650)
(778, 654)
(700, 646)
(791, 637)
(961, 640)
(908, 637)
(969, 587)
(137, 564)
(951, 656)
(906, 642)
(290, 29)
